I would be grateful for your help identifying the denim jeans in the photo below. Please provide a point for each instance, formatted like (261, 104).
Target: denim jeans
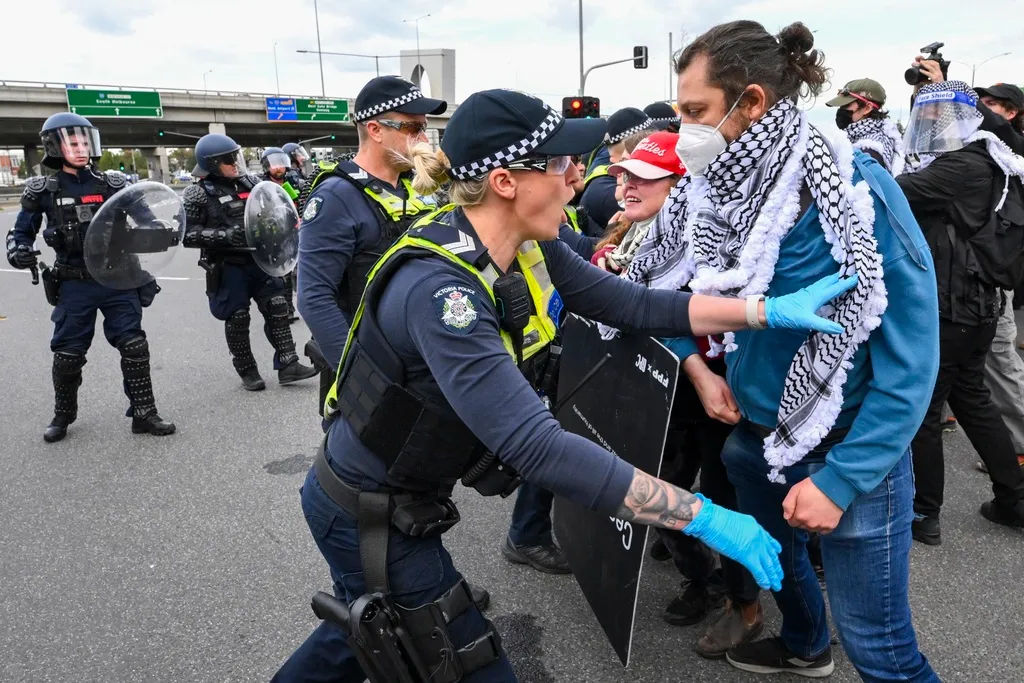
(531, 516)
(420, 571)
(866, 557)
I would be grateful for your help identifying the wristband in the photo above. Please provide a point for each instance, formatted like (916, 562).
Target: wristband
(753, 319)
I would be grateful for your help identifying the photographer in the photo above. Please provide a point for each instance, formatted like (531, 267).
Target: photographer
(867, 125)
(953, 199)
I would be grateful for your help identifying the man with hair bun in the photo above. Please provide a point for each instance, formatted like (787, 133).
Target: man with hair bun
(823, 424)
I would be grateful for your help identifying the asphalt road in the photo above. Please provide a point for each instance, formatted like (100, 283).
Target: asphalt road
(131, 558)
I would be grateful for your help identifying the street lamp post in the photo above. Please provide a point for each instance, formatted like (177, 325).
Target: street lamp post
(974, 67)
(416, 21)
(277, 78)
(582, 77)
(316, 14)
(205, 89)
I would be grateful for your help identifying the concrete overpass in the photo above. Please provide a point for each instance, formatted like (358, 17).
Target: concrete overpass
(24, 105)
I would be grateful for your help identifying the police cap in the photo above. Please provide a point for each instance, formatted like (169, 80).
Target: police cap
(392, 93)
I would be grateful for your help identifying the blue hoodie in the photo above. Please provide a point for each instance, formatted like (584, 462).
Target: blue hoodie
(890, 385)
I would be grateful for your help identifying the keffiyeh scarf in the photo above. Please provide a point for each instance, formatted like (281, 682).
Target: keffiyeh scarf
(880, 136)
(720, 234)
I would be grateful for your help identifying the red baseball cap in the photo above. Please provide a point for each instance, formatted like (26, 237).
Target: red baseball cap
(655, 157)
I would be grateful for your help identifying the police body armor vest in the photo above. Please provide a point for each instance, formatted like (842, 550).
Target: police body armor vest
(226, 209)
(574, 216)
(67, 218)
(598, 172)
(394, 216)
(421, 440)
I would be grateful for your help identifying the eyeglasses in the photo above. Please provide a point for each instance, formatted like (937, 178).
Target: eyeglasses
(637, 180)
(552, 165)
(413, 128)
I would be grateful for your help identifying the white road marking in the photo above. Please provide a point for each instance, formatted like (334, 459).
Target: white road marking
(177, 279)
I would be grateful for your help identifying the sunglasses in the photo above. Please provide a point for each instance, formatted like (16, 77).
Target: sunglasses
(552, 165)
(408, 127)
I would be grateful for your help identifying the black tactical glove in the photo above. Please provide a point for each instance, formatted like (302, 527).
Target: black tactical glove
(21, 257)
(236, 237)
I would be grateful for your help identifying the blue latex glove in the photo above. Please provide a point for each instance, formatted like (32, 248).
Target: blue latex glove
(796, 311)
(741, 538)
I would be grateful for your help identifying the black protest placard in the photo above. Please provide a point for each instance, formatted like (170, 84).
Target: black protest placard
(624, 407)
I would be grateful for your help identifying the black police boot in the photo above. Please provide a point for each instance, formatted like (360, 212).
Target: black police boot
(481, 598)
(295, 372)
(57, 429)
(138, 384)
(926, 530)
(152, 424)
(251, 379)
(997, 513)
(67, 377)
(544, 558)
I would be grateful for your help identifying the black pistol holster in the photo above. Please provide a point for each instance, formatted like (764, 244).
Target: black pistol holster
(394, 643)
(213, 268)
(51, 285)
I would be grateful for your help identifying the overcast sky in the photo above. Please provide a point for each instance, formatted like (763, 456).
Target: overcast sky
(531, 45)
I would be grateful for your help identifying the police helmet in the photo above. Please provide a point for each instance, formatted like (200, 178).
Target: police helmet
(299, 156)
(69, 139)
(275, 158)
(217, 154)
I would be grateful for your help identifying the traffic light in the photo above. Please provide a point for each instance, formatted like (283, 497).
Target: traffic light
(122, 167)
(332, 137)
(640, 57)
(581, 107)
(160, 132)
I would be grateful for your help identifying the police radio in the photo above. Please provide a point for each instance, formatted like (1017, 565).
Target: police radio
(512, 299)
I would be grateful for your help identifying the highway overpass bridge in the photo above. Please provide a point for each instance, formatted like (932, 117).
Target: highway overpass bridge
(184, 115)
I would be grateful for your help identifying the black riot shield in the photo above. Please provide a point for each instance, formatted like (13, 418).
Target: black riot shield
(625, 408)
(134, 235)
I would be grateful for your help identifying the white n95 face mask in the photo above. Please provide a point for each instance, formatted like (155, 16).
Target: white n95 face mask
(699, 144)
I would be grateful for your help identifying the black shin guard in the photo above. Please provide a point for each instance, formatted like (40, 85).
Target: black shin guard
(278, 329)
(138, 383)
(67, 377)
(236, 330)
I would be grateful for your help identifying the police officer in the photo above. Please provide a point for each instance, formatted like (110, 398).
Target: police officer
(278, 168)
(429, 389)
(663, 116)
(599, 188)
(301, 164)
(69, 199)
(214, 211)
(356, 210)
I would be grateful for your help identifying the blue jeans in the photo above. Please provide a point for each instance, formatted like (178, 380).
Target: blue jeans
(420, 571)
(866, 557)
(531, 517)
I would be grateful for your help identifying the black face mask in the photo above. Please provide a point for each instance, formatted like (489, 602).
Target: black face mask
(844, 117)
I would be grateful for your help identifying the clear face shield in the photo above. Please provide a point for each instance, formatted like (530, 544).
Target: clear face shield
(276, 164)
(229, 164)
(76, 145)
(941, 121)
(300, 160)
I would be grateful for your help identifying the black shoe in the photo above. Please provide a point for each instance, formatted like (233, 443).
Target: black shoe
(771, 656)
(252, 381)
(295, 372)
(696, 602)
(926, 530)
(481, 598)
(152, 424)
(544, 558)
(57, 429)
(998, 514)
(660, 552)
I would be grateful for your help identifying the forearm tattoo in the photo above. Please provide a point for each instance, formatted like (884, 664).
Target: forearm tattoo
(654, 502)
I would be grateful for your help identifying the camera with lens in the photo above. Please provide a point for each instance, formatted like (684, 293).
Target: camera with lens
(913, 75)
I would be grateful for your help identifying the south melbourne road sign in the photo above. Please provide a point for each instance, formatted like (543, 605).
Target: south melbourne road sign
(115, 103)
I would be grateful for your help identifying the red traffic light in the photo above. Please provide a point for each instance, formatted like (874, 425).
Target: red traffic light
(581, 107)
(576, 104)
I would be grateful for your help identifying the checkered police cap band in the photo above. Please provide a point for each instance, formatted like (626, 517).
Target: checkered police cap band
(646, 125)
(519, 150)
(383, 107)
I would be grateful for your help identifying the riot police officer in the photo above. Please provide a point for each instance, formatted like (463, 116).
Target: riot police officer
(214, 211)
(69, 199)
(301, 164)
(429, 392)
(356, 210)
(278, 168)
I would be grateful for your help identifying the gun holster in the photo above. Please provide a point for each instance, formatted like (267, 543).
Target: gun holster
(213, 271)
(51, 285)
(316, 357)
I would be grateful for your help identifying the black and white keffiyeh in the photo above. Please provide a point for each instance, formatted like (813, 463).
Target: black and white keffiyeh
(880, 136)
(720, 234)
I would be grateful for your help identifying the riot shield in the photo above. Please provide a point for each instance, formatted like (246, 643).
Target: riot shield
(271, 228)
(625, 408)
(134, 235)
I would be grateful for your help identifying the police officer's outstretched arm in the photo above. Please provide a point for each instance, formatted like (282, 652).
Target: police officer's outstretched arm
(20, 239)
(200, 235)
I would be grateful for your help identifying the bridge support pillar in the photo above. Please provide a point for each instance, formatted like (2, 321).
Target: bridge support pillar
(218, 128)
(156, 162)
(33, 160)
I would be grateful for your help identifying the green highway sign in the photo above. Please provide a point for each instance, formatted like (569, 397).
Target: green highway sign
(322, 110)
(115, 103)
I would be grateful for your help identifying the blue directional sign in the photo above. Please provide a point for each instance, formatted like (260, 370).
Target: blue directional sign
(281, 109)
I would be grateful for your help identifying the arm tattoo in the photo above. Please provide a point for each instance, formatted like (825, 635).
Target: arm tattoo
(654, 502)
